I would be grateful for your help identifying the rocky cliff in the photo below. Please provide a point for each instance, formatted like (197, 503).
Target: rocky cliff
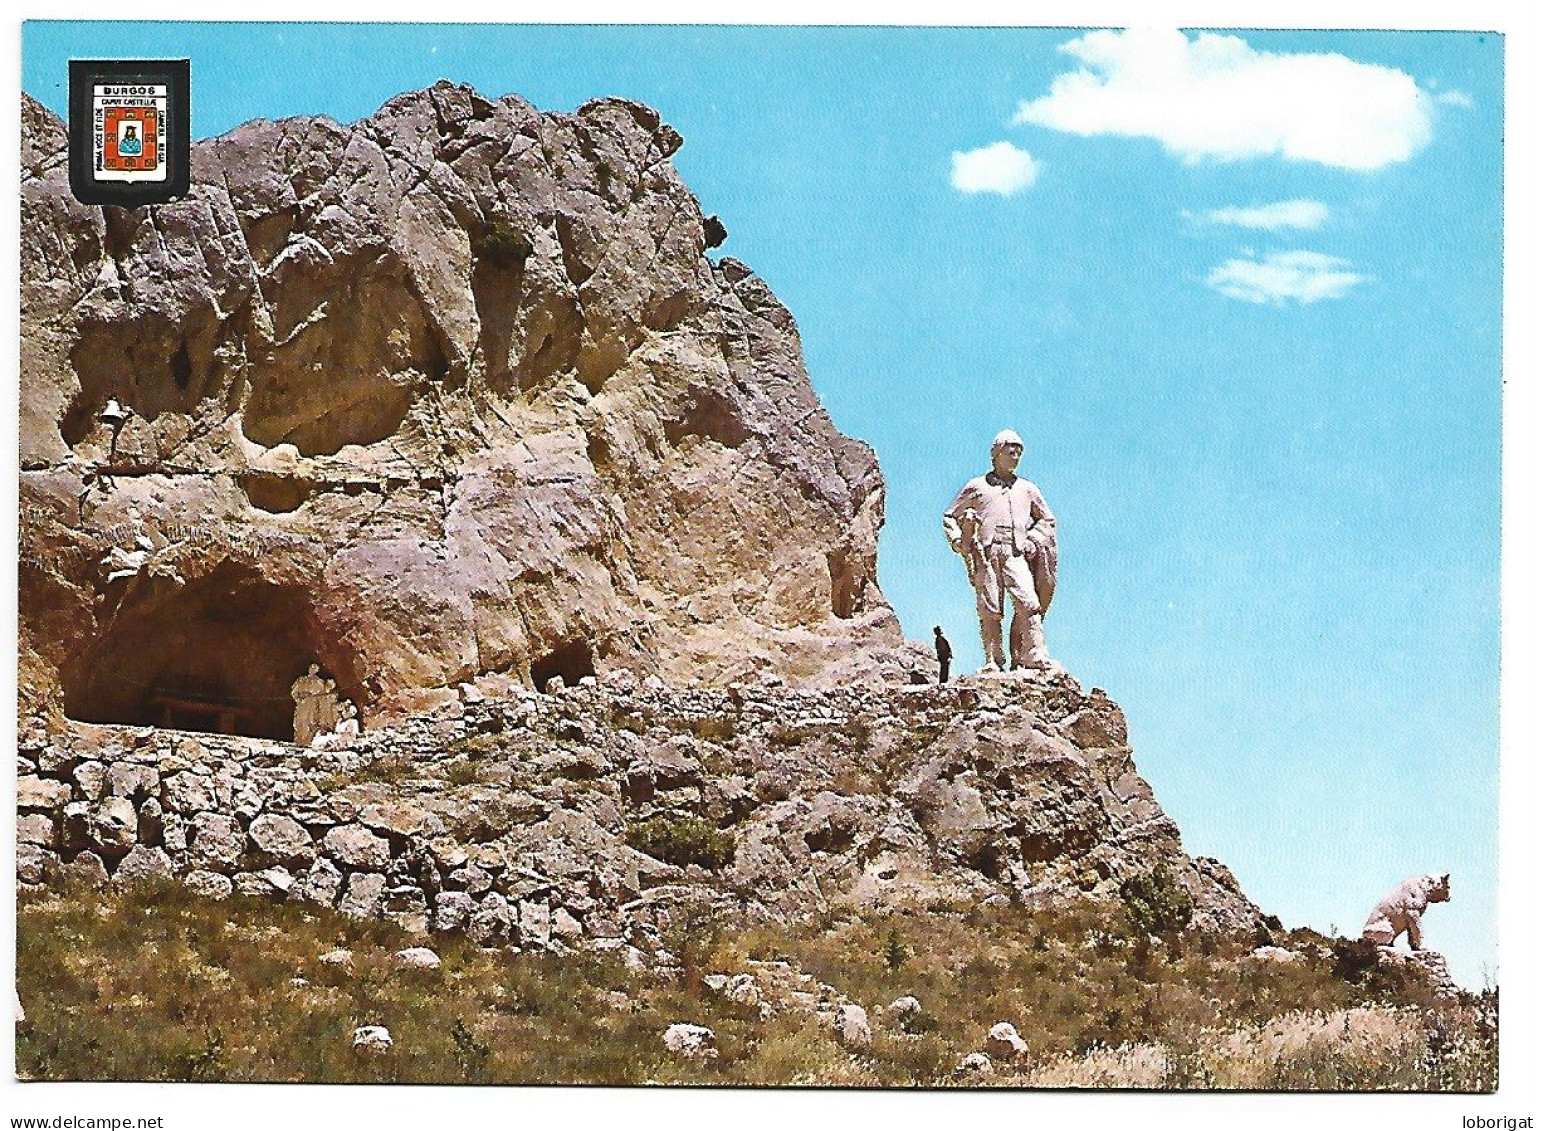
(450, 391)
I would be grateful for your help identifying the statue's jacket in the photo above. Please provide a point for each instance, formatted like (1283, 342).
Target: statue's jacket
(1005, 511)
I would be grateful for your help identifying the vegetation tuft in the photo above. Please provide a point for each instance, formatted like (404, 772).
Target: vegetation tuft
(1156, 903)
(683, 840)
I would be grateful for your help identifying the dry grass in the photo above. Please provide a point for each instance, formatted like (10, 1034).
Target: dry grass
(164, 987)
(1128, 1066)
(159, 986)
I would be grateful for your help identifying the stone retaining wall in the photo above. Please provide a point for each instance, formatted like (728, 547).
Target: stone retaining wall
(510, 817)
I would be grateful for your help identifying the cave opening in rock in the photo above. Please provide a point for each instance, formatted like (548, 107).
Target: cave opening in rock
(276, 494)
(217, 654)
(572, 660)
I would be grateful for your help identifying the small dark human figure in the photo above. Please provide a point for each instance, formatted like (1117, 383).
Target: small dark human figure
(944, 650)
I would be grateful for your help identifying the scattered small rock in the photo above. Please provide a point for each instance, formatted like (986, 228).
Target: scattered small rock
(684, 1039)
(851, 1026)
(338, 957)
(1004, 1043)
(976, 1064)
(419, 958)
(1277, 954)
(372, 1038)
(617, 1000)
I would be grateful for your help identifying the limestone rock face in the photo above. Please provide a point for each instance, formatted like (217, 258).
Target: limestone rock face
(449, 391)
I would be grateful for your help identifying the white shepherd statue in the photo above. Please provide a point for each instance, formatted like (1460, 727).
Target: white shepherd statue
(1004, 530)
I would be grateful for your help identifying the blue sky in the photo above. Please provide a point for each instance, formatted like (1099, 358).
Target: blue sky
(1241, 296)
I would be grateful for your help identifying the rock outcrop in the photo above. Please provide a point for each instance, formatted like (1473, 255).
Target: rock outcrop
(451, 390)
(605, 814)
(415, 416)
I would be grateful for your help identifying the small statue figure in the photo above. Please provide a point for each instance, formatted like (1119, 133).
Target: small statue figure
(944, 650)
(1401, 908)
(1003, 528)
(316, 706)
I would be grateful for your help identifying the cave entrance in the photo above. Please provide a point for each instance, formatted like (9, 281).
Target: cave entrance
(217, 654)
(572, 660)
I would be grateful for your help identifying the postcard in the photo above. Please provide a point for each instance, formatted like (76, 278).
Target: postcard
(799, 557)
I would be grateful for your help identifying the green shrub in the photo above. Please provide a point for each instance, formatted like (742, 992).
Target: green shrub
(682, 840)
(470, 1053)
(1156, 903)
(1355, 960)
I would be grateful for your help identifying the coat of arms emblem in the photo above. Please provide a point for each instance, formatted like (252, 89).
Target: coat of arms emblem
(128, 131)
(129, 137)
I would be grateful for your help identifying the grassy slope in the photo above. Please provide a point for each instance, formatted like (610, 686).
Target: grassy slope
(162, 986)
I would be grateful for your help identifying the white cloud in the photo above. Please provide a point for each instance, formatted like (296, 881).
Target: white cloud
(1216, 97)
(1000, 168)
(1306, 276)
(1455, 98)
(1306, 215)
